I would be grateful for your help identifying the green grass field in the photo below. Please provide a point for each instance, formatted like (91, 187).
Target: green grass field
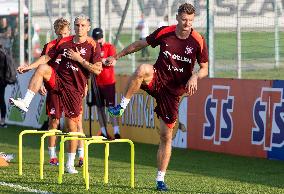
(263, 74)
(190, 171)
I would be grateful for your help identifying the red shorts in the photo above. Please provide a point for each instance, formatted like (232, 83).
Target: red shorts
(167, 103)
(107, 95)
(53, 104)
(67, 99)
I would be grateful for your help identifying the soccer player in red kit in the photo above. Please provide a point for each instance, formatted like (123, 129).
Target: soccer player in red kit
(79, 56)
(169, 78)
(53, 105)
(106, 81)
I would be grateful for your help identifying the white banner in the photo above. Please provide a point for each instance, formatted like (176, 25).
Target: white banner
(254, 13)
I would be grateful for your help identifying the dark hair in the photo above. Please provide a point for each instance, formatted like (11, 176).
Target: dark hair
(97, 33)
(186, 8)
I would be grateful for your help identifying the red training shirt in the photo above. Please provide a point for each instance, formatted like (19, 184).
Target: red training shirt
(177, 57)
(72, 73)
(107, 76)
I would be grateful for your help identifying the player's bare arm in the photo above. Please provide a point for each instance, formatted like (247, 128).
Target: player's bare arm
(191, 85)
(75, 56)
(25, 68)
(95, 68)
(132, 48)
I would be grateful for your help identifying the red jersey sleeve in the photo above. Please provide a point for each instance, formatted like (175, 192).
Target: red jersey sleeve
(202, 52)
(96, 55)
(43, 52)
(52, 53)
(202, 55)
(153, 39)
(48, 46)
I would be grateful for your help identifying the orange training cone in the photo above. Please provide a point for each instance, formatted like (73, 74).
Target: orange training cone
(3, 162)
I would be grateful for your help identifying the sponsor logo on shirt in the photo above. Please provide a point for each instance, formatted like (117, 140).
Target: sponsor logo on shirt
(57, 61)
(64, 53)
(176, 57)
(173, 68)
(70, 66)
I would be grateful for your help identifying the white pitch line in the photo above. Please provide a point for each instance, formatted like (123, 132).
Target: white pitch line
(19, 187)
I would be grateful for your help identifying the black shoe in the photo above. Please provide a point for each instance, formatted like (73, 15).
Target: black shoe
(81, 162)
(117, 136)
(106, 136)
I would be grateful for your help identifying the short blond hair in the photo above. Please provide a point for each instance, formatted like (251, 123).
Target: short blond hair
(186, 8)
(60, 24)
(82, 17)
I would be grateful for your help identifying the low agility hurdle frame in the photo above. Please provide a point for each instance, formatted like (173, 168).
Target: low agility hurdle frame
(52, 132)
(87, 142)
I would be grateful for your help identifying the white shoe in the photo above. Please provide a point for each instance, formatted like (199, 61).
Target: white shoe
(71, 170)
(19, 103)
(7, 157)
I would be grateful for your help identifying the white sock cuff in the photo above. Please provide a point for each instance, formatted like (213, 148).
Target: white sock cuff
(28, 97)
(103, 130)
(80, 152)
(161, 176)
(71, 155)
(52, 152)
(70, 159)
(124, 102)
(30, 92)
(116, 129)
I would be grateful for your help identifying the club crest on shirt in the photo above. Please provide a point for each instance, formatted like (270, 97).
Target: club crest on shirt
(83, 51)
(188, 50)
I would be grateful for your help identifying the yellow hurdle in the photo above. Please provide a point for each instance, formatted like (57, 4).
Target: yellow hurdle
(53, 131)
(107, 142)
(87, 142)
(61, 152)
